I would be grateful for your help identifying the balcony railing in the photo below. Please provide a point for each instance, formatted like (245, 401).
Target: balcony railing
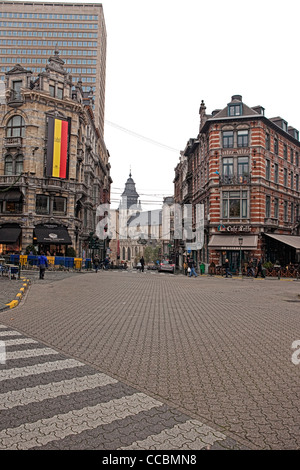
(234, 179)
(270, 221)
(13, 180)
(10, 142)
(15, 99)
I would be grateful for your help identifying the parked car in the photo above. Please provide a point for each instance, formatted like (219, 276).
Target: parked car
(166, 266)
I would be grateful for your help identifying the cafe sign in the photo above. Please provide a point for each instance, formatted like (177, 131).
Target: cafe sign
(234, 228)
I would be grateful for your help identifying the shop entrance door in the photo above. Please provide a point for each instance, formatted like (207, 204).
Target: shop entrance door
(234, 260)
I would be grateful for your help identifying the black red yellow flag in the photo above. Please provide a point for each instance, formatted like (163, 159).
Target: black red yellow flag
(57, 148)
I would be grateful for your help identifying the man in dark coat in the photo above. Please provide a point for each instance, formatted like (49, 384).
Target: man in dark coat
(96, 262)
(226, 266)
(260, 269)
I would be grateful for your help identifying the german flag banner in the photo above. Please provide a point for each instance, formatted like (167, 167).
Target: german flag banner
(57, 149)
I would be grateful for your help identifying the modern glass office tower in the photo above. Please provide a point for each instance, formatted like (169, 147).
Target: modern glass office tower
(31, 31)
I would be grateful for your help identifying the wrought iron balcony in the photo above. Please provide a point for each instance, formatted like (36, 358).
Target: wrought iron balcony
(234, 179)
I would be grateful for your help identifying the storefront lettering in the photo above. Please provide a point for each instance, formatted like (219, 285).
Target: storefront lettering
(234, 228)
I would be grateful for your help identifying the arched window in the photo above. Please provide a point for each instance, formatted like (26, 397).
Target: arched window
(129, 254)
(15, 127)
(124, 253)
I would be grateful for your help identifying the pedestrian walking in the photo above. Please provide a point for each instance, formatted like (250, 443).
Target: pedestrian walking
(185, 268)
(191, 265)
(260, 269)
(43, 264)
(142, 261)
(106, 263)
(250, 271)
(227, 268)
(96, 262)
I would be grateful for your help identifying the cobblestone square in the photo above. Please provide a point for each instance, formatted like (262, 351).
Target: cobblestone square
(219, 351)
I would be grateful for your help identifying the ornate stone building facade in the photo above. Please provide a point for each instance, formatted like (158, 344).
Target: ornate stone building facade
(39, 206)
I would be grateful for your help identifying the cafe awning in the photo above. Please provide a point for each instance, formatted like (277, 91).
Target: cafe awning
(9, 234)
(231, 242)
(52, 234)
(12, 196)
(291, 240)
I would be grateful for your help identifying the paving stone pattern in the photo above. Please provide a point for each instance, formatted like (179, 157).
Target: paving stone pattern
(151, 361)
(48, 401)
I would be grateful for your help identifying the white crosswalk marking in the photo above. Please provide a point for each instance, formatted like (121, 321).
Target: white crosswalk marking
(6, 374)
(53, 390)
(17, 342)
(30, 353)
(42, 432)
(58, 404)
(9, 333)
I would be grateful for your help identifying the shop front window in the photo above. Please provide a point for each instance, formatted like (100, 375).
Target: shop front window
(13, 207)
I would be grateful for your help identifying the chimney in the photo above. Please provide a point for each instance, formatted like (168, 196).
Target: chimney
(236, 97)
(202, 113)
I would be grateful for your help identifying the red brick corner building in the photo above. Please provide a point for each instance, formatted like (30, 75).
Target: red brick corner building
(244, 168)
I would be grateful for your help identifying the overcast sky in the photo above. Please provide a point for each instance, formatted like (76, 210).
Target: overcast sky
(165, 56)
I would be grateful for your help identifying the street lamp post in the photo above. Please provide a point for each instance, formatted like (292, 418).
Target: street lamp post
(240, 243)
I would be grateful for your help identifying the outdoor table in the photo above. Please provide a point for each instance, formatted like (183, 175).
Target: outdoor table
(11, 269)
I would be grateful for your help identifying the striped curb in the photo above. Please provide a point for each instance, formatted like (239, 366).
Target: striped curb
(19, 296)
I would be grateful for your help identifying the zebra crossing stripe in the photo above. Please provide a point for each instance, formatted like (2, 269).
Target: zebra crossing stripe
(53, 390)
(6, 374)
(58, 427)
(19, 341)
(189, 435)
(30, 353)
(9, 333)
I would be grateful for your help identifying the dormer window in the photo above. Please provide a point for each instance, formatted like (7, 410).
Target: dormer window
(284, 125)
(56, 91)
(52, 90)
(16, 85)
(235, 109)
(60, 93)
